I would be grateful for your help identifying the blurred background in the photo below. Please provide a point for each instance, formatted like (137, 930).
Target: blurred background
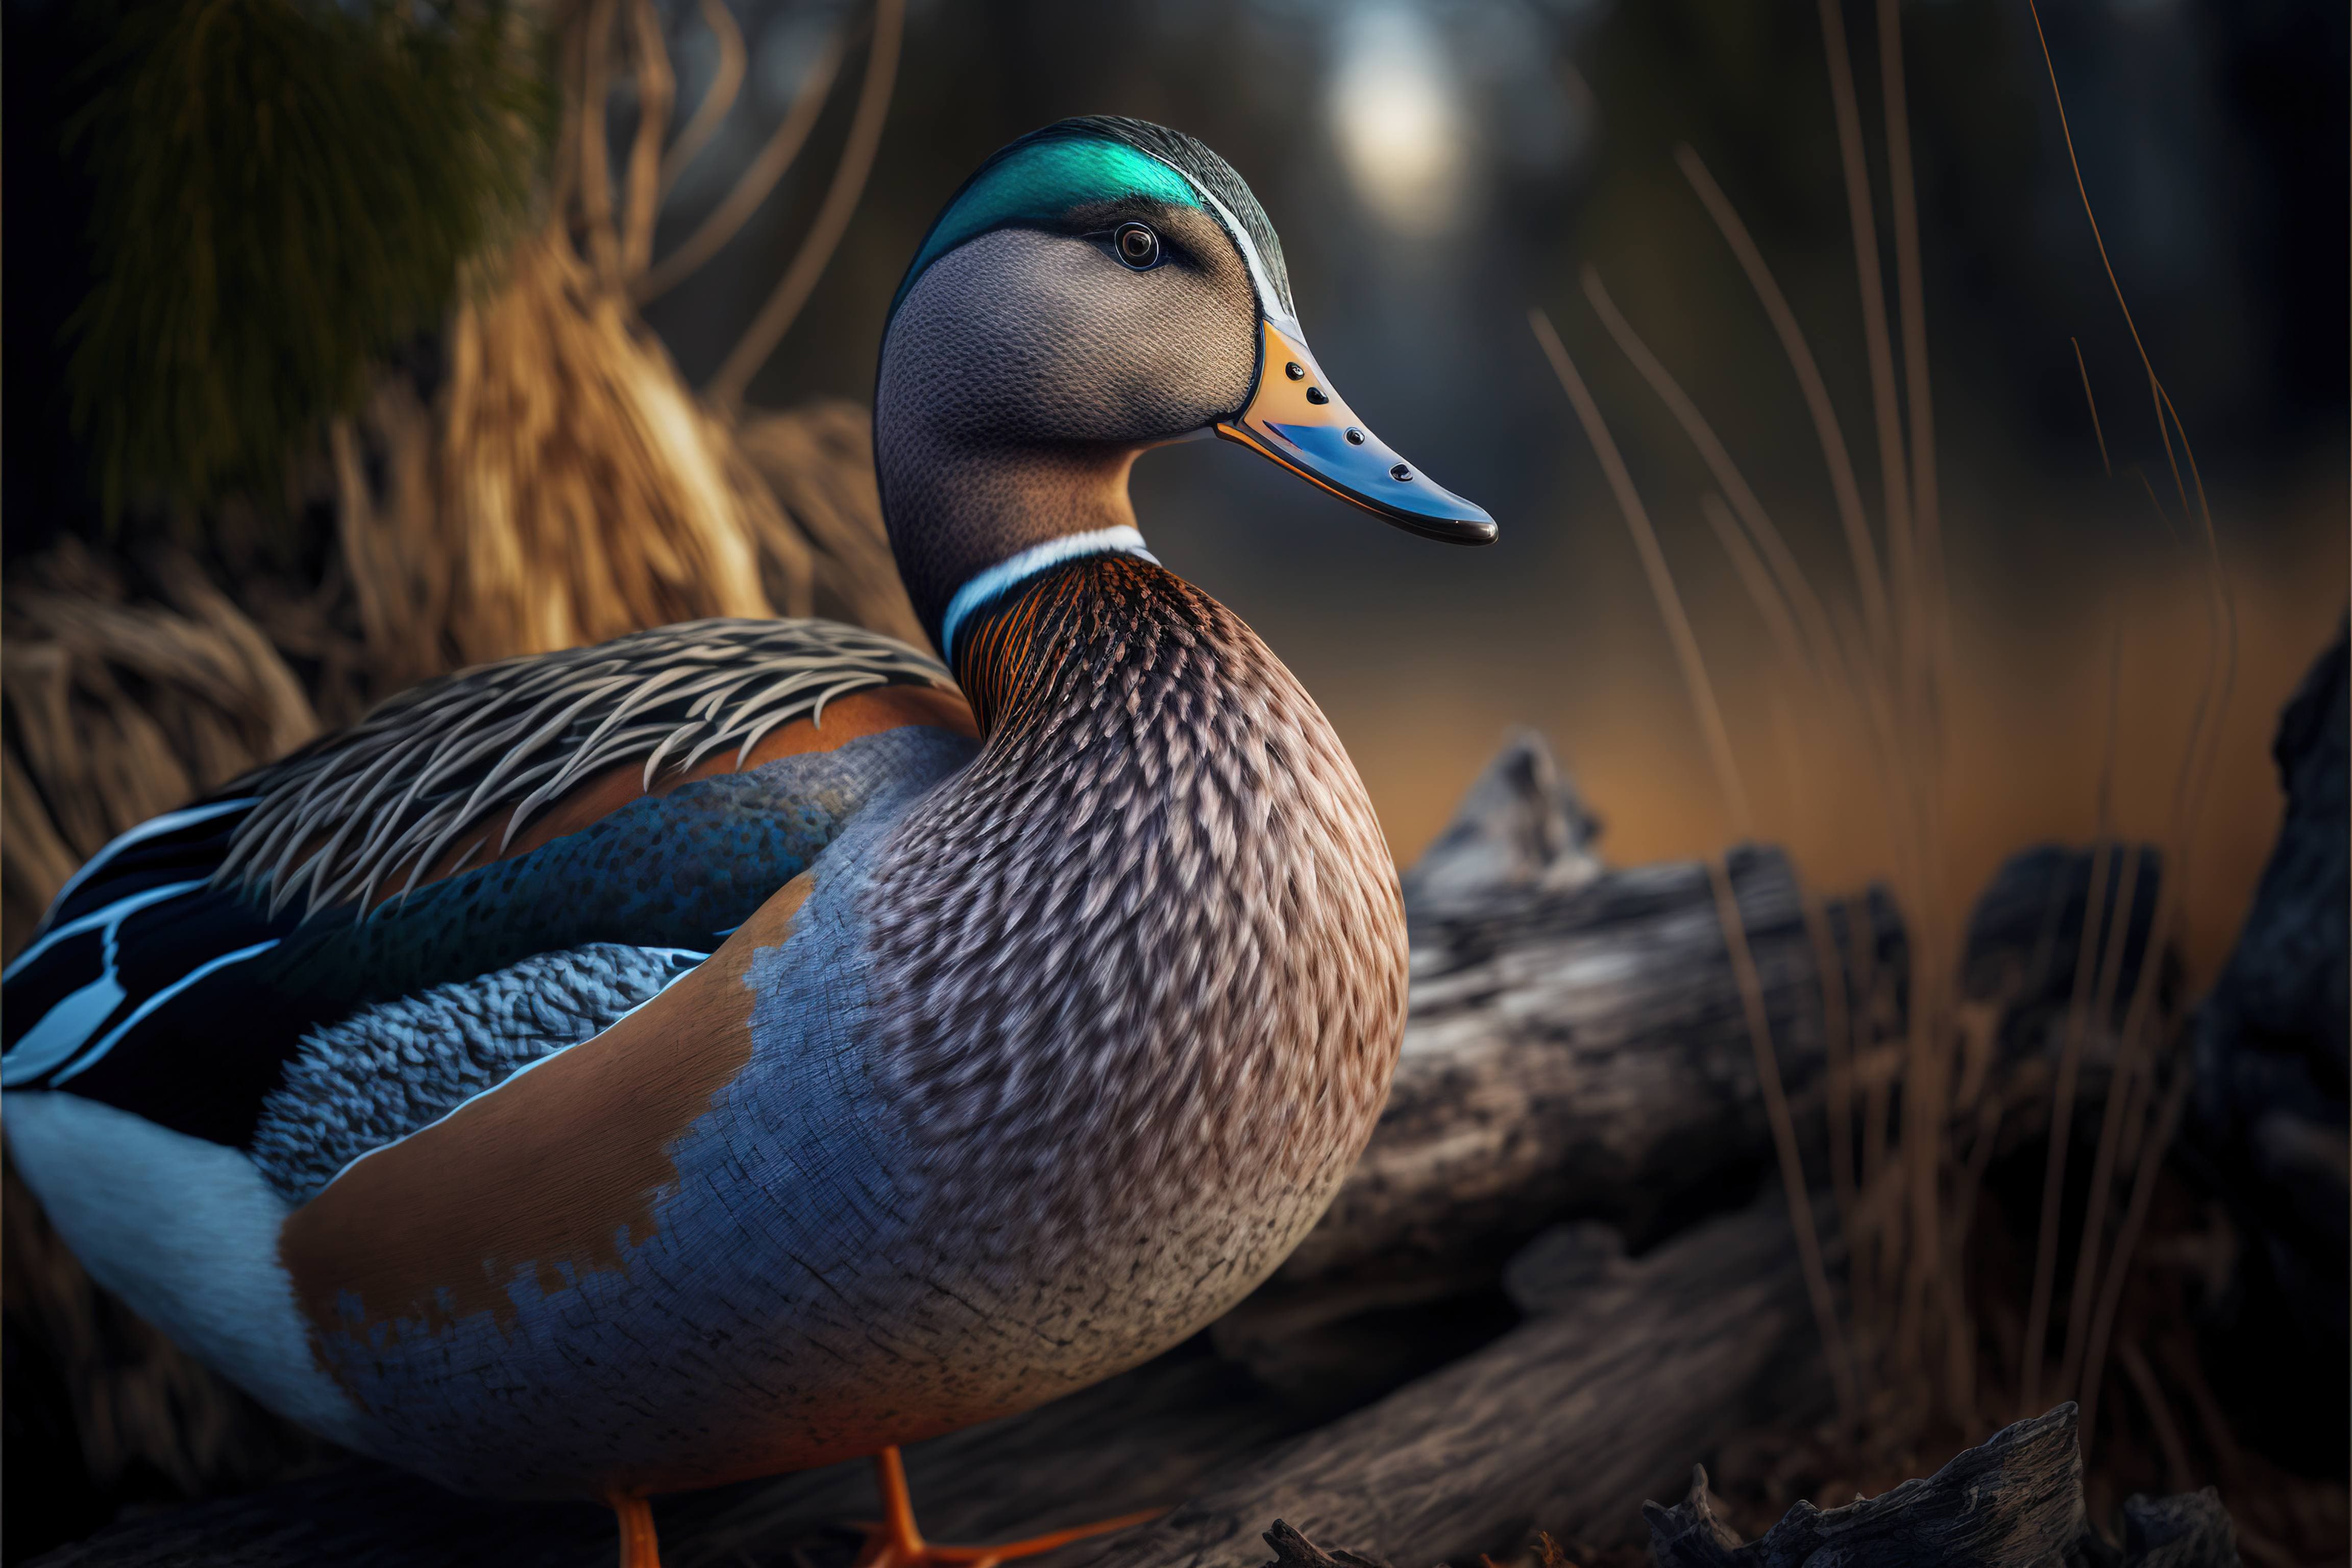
(1436, 167)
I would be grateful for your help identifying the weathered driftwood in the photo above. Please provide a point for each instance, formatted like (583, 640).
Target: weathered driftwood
(2013, 1501)
(1555, 1425)
(1577, 1043)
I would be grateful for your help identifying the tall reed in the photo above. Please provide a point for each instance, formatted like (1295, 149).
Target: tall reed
(1912, 1126)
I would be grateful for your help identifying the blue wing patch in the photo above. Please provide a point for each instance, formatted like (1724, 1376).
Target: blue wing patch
(387, 1070)
(154, 988)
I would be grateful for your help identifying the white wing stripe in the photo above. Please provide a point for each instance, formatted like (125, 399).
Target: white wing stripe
(111, 915)
(154, 828)
(90, 1058)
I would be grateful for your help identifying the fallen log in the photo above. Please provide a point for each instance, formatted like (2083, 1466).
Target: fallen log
(1577, 1045)
(1623, 1369)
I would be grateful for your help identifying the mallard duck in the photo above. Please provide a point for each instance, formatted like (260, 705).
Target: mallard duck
(747, 1045)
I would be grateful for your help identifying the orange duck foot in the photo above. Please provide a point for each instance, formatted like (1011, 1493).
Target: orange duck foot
(897, 1543)
(639, 1548)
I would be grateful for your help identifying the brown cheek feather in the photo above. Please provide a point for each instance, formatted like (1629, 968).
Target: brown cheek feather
(559, 1169)
(596, 797)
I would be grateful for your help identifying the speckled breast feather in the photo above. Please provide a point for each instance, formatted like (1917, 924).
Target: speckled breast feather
(1146, 958)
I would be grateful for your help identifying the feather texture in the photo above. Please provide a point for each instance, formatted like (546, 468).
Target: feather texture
(388, 797)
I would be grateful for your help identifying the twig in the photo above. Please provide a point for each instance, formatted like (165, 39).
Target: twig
(596, 157)
(726, 82)
(775, 317)
(783, 144)
(656, 91)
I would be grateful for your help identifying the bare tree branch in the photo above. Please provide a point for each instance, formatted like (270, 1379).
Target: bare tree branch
(596, 156)
(656, 92)
(730, 215)
(775, 317)
(711, 112)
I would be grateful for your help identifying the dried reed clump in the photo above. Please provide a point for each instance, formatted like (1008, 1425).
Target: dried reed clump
(581, 492)
(115, 709)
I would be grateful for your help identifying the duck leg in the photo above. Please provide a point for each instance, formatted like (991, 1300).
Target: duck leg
(639, 1548)
(897, 1543)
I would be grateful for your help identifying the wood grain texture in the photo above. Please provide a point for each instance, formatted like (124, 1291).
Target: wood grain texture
(1621, 1370)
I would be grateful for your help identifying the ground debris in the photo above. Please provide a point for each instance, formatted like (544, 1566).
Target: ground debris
(2014, 1501)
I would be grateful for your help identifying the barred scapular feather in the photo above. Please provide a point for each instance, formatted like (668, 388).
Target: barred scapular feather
(398, 788)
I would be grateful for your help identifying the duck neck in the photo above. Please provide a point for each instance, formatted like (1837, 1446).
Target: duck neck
(957, 513)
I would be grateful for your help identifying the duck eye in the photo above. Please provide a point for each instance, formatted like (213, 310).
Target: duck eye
(1137, 246)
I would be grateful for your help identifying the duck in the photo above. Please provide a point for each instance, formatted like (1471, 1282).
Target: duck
(750, 1045)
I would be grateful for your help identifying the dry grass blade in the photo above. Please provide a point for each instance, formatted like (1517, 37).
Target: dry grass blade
(1910, 290)
(38, 861)
(2097, 431)
(1784, 1143)
(759, 177)
(1654, 563)
(116, 712)
(818, 459)
(1872, 286)
(2180, 1476)
(1825, 660)
(768, 328)
(1710, 716)
(2199, 757)
(582, 491)
(2095, 900)
(726, 82)
(403, 592)
(1826, 428)
(2127, 1242)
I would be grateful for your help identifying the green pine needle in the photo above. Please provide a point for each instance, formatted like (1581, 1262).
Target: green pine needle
(286, 190)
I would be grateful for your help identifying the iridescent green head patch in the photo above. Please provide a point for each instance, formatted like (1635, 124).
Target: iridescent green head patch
(1094, 160)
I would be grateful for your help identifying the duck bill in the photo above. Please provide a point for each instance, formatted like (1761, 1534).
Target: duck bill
(1294, 418)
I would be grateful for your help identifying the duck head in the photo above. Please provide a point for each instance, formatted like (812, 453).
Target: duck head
(1098, 288)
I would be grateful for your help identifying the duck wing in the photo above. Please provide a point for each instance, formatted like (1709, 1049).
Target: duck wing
(484, 868)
